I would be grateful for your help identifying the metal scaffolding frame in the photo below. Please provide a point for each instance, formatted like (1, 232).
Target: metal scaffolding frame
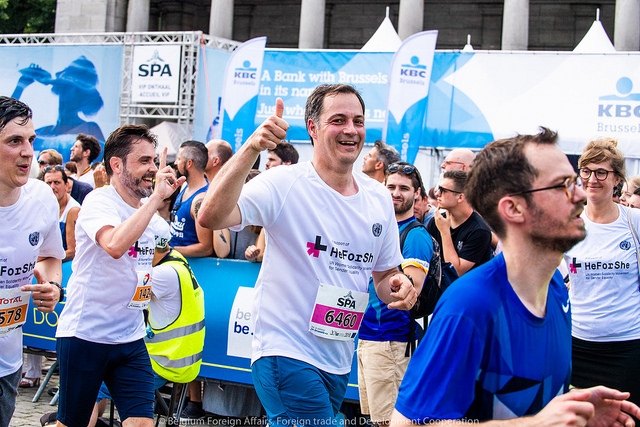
(180, 112)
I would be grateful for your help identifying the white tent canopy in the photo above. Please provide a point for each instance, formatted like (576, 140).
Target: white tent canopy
(385, 39)
(596, 39)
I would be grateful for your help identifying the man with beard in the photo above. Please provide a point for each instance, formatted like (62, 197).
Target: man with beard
(101, 328)
(499, 344)
(384, 333)
(376, 162)
(84, 151)
(187, 236)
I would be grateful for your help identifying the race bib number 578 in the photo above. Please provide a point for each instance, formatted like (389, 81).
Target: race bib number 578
(13, 309)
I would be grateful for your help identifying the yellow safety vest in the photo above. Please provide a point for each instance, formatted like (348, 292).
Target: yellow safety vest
(176, 350)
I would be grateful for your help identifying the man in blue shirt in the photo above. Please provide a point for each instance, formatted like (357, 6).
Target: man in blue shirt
(499, 343)
(384, 333)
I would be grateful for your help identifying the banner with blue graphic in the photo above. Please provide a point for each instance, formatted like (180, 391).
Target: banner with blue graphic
(408, 90)
(498, 94)
(473, 97)
(292, 75)
(71, 90)
(240, 91)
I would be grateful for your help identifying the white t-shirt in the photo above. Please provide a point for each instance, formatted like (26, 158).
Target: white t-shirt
(29, 229)
(100, 287)
(314, 235)
(88, 178)
(166, 301)
(603, 268)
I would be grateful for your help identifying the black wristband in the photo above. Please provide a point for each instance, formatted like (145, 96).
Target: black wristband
(57, 285)
(410, 279)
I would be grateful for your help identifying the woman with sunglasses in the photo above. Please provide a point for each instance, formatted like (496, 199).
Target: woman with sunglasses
(603, 270)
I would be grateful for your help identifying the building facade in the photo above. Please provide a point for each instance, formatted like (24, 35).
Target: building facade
(332, 24)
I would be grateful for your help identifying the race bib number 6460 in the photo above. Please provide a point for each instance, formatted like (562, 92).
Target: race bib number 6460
(337, 312)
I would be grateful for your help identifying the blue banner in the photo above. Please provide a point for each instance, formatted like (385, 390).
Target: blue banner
(228, 286)
(292, 75)
(71, 90)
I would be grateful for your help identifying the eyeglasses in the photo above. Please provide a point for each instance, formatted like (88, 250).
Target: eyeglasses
(443, 190)
(59, 168)
(601, 174)
(569, 186)
(42, 163)
(452, 162)
(395, 167)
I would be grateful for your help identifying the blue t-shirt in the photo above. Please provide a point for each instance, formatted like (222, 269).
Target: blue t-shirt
(485, 356)
(183, 226)
(379, 322)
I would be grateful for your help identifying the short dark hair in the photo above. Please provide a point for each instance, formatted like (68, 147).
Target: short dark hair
(315, 101)
(502, 168)
(286, 151)
(71, 166)
(386, 154)
(55, 168)
(197, 152)
(416, 179)
(458, 177)
(90, 143)
(120, 142)
(10, 108)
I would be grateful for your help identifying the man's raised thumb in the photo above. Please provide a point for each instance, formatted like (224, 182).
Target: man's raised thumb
(279, 107)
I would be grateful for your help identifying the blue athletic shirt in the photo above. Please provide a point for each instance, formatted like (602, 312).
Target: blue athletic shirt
(379, 322)
(485, 356)
(183, 227)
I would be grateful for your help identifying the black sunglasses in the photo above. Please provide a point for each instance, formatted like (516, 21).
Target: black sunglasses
(443, 190)
(395, 167)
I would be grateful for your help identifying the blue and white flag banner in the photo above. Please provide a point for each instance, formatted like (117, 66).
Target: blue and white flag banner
(240, 91)
(408, 90)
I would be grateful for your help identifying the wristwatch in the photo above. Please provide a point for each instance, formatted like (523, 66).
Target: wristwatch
(57, 285)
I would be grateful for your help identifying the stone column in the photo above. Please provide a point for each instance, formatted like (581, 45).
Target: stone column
(311, 24)
(138, 15)
(626, 35)
(515, 25)
(221, 19)
(410, 17)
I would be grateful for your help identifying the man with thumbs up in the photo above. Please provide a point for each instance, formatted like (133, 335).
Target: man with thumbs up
(328, 230)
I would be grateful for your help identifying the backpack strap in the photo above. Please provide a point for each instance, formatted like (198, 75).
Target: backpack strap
(407, 229)
(411, 343)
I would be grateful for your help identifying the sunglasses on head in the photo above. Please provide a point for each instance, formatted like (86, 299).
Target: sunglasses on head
(54, 168)
(395, 167)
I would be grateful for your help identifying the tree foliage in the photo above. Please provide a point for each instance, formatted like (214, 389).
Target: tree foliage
(27, 16)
